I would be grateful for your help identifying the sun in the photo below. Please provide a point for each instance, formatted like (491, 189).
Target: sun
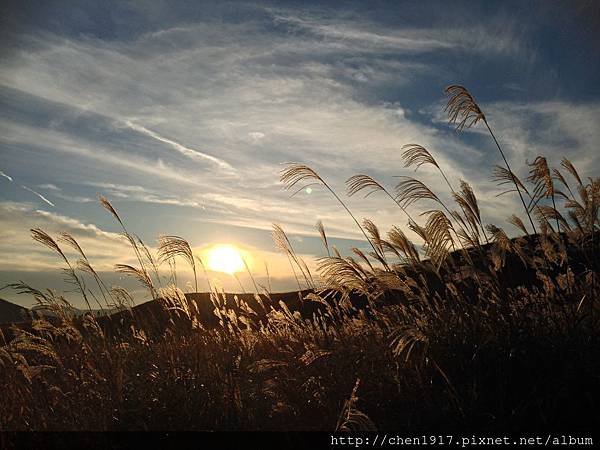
(225, 258)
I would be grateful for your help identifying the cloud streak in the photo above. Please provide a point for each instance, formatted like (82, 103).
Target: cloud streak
(191, 153)
(44, 199)
(2, 174)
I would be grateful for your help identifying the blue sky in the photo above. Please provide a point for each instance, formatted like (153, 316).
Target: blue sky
(182, 114)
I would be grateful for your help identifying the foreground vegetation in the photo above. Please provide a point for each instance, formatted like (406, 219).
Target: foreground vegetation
(478, 330)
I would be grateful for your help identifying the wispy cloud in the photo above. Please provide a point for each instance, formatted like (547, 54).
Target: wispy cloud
(142, 194)
(74, 198)
(44, 199)
(50, 187)
(16, 218)
(189, 152)
(496, 35)
(404, 41)
(2, 174)
(76, 146)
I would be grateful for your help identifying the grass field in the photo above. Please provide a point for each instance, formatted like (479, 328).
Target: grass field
(467, 327)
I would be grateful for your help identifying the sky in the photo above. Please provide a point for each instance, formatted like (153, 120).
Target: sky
(183, 114)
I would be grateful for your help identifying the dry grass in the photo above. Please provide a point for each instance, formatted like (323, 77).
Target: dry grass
(476, 330)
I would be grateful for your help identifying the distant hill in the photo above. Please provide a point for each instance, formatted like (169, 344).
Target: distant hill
(46, 311)
(11, 313)
(152, 313)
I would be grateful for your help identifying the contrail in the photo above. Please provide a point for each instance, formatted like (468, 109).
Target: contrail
(189, 152)
(38, 194)
(2, 174)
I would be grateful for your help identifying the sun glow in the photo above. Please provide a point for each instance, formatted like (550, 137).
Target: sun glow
(225, 258)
